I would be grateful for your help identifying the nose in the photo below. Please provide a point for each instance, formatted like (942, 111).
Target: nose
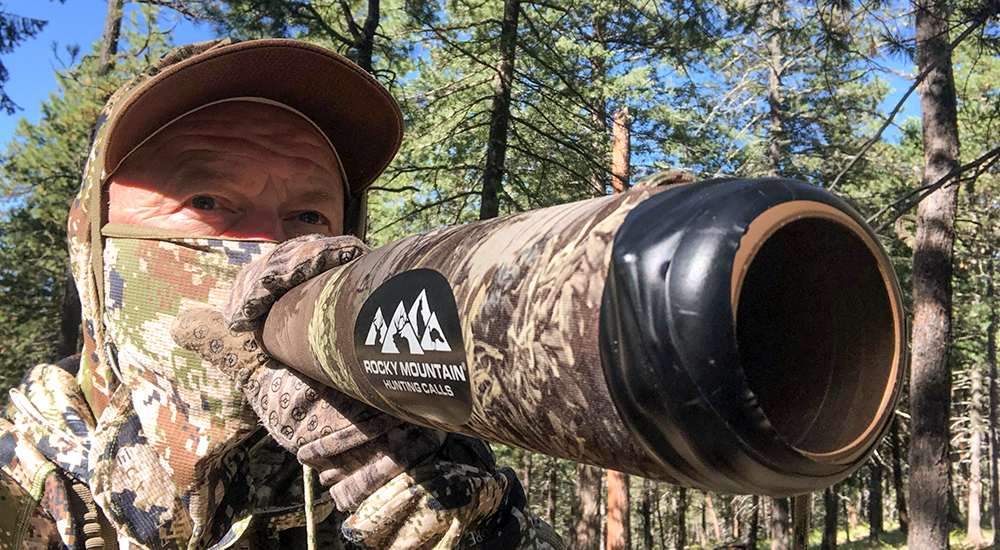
(260, 222)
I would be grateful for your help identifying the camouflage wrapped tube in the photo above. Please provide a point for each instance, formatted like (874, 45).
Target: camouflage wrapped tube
(736, 335)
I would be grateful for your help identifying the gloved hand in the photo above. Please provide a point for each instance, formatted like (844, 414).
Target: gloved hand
(454, 496)
(355, 448)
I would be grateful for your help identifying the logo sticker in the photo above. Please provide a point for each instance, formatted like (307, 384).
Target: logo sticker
(409, 340)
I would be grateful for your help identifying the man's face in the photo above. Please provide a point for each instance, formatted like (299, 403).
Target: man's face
(237, 169)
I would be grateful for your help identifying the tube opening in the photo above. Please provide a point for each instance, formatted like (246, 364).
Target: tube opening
(817, 332)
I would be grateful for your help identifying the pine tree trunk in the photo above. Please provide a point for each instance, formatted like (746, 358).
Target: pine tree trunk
(552, 490)
(930, 376)
(736, 519)
(847, 523)
(800, 535)
(703, 527)
(526, 464)
(974, 531)
(897, 476)
(365, 45)
(599, 117)
(647, 514)
(779, 524)
(658, 510)
(586, 531)
(712, 517)
(621, 154)
(829, 519)
(874, 500)
(991, 359)
(496, 148)
(752, 532)
(775, 152)
(619, 528)
(109, 42)
(682, 506)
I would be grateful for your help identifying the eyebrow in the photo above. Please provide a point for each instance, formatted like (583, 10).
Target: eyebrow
(317, 196)
(201, 171)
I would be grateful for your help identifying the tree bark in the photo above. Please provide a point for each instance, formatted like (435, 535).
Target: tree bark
(829, 519)
(586, 531)
(621, 154)
(779, 524)
(552, 490)
(712, 517)
(647, 514)
(496, 147)
(109, 42)
(775, 150)
(991, 359)
(930, 377)
(619, 527)
(754, 522)
(365, 45)
(847, 522)
(874, 499)
(682, 506)
(897, 476)
(736, 519)
(599, 117)
(526, 463)
(974, 531)
(703, 527)
(800, 535)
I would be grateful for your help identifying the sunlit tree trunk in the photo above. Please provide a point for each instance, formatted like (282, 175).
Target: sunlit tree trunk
(619, 527)
(897, 476)
(621, 153)
(974, 531)
(710, 508)
(991, 359)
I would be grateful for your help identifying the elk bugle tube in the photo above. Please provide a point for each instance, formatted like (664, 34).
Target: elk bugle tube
(743, 336)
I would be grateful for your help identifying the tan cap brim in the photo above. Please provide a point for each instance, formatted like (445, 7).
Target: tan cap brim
(357, 114)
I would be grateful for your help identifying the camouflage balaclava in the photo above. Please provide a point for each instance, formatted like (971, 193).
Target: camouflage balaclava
(183, 414)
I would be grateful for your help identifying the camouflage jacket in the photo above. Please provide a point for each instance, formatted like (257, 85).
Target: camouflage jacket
(51, 454)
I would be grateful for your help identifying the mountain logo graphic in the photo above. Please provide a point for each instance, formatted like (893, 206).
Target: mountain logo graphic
(415, 329)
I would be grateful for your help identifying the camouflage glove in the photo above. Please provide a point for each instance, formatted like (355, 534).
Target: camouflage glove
(457, 499)
(290, 264)
(355, 448)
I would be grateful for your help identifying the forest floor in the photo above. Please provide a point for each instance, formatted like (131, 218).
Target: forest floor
(895, 540)
(890, 540)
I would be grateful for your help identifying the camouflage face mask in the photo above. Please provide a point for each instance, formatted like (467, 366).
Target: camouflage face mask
(150, 275)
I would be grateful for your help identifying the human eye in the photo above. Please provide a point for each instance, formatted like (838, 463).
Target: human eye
(203, 202)
(311, 217)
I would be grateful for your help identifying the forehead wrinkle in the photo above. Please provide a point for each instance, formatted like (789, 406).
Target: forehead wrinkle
(252, 149)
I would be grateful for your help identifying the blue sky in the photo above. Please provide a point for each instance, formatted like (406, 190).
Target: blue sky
(33, 64)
